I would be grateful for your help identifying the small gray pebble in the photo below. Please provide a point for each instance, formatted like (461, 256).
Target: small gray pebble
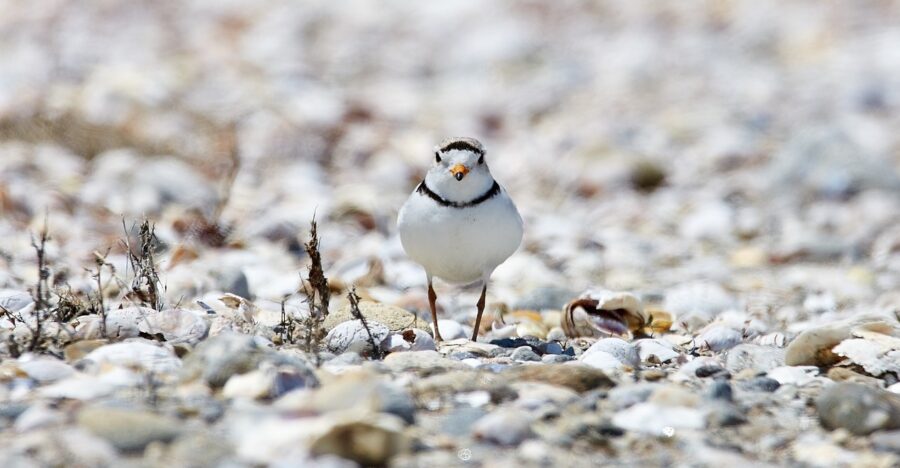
(708, 371)
(721, 390)
(761, 384)
(460, 355)
(552, 347)
(725, 415)
(556, 358)
(524, 353)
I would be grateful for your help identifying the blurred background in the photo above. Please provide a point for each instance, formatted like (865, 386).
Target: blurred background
(751, 144)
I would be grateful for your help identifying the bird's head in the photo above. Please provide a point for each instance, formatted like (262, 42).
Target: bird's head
(459, 172)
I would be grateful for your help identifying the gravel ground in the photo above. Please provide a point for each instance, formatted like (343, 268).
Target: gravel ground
(710, 273)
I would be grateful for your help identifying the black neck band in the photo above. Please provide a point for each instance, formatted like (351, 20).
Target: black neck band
(424, 190)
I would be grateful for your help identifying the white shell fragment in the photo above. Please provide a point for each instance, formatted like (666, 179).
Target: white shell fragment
(815, 345)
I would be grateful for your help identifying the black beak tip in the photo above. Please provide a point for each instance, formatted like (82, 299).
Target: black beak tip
(459, 176)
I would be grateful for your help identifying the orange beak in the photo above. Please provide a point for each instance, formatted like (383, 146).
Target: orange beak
(459, 171)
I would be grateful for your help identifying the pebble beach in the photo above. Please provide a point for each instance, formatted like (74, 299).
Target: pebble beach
(710, 271)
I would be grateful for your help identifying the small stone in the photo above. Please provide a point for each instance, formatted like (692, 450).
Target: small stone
(524, 353)
(46, 370)
(200, 449)
(576, 377)
(718, 338)
(761, 384)
(268, 382)
(646, 176)
(708, 371)
(887, 441)
(655, 351)
(842, 374)
(15, 301)
(459, 421)
(234, 281)
(658, 420)
(720, 390)
(129, 431)
(462, 355)
(555, 358)
(505, 426)
(550, 347)
(652, 375)
(724, 415)
(858, 408)
(556, 334)
(79, 349)
(369, 441)
(674, 395)
(510, 342)
(354, 336)
(120, 323)
(394, 318)
(610, 353)
(139, 353)
(450, 330)
(218, 358)
(629, 395)
(756, 357)
(796, 375)
(425, 362)
(36, 417)
(176, 326)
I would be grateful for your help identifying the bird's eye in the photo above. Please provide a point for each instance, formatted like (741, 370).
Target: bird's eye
(437, 156)
(481, 159)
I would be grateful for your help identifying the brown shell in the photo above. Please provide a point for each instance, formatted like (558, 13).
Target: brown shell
(603, 314)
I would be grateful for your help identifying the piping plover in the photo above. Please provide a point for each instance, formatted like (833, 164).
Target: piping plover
(459, 223)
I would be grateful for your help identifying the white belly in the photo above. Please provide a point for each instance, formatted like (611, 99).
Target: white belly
(460, 245)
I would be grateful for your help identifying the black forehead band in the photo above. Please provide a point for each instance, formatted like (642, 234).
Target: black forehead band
(462, 146)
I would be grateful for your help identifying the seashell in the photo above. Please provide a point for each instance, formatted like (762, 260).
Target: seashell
(772, 339)
(660, 321)
(874, 348)
(604, 313)
(814, 346)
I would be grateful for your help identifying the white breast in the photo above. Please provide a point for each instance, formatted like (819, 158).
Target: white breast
(460, 245)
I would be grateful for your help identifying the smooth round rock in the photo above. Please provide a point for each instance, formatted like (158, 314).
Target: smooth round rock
(129, 431)
(858, 408)
(525, 353)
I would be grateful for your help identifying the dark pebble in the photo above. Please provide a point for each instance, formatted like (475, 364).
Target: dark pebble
(509, 342)
(725, 415)
(761, 384)
(721, 390)
(710, 371)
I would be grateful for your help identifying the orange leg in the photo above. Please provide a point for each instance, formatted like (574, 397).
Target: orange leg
(480, 311)
(432, 297)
